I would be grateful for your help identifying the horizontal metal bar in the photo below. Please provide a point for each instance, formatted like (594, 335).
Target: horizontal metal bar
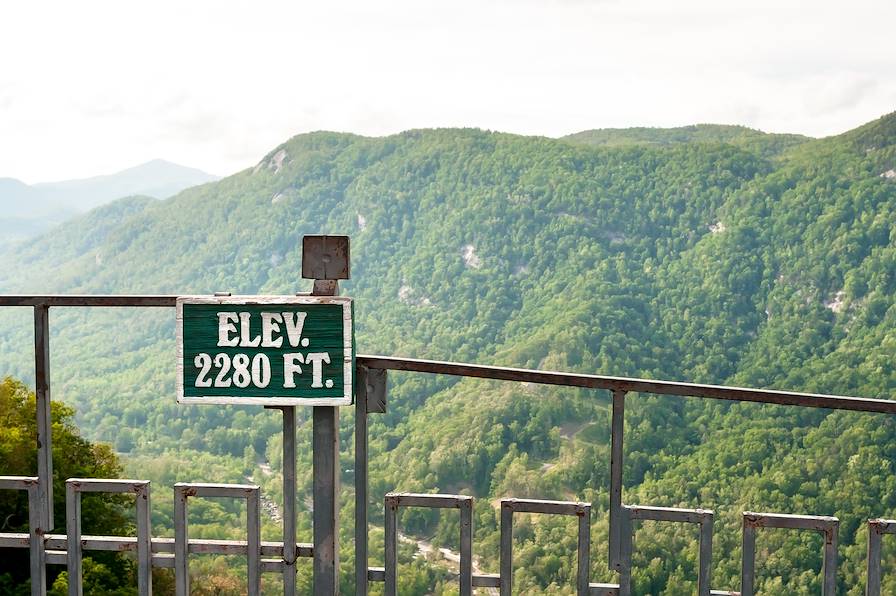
(104, 485)
(86, 300)
(272, 565)
(604, 589)
(14, 540)
(820, 523)
(17, 483)
(486, 580)
(159, 545)
(723, 593)
(669, 514)
(883, 526)
(480, 580)
(163, 561)
(550, 507)
(56, 557)
(434, 501)
(786, 398)
(205, 489)
(267, 565)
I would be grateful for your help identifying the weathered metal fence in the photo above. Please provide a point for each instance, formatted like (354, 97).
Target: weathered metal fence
(280, 557)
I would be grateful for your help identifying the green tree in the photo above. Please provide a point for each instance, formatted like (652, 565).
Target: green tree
(73, 456)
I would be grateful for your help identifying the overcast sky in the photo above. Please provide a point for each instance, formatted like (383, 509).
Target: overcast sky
(89, 88)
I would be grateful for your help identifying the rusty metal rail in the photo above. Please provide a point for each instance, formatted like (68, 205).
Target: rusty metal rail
(140, 488)
(464, 503)
(249, 492)
(370, 399)
(670, 388)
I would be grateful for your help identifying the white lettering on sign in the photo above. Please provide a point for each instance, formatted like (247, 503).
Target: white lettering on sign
(270, 325)
(235, 330)
(226, 326)
(277, 350)
(260, 375)
(317, 368)
(291, 368)
(294, 328)
(245, 342)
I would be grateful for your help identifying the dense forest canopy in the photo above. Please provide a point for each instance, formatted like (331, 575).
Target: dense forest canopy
(709, 254)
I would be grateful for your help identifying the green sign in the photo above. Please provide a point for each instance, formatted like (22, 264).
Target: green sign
(270, 350)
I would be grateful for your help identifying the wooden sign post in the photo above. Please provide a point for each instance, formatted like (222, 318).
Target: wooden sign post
(268, 350)
(280, 352)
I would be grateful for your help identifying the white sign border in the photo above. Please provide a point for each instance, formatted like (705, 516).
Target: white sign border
(348, 360)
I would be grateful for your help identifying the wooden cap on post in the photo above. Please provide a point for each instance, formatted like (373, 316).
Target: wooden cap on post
(326, 257)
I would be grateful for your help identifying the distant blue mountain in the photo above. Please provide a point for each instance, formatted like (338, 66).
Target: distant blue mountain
(26, 210)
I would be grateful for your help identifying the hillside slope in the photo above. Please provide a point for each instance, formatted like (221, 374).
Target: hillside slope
(697, 260)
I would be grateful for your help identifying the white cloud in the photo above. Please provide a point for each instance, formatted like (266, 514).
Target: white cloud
(90, 87)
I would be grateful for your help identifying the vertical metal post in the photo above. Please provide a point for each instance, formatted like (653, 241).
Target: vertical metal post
(748, 560)
(325, 259)
(584, 556)
(829, 572)
(38, 558)
(253, 541)
(370, 397)
(872, 588)
(289, 500)
(391, 556)
(73, 539)
(44, 419)
(36, 542)
(618, 418)
(144, 542)
(506, 549)
(704, 574)
(326, 500)
(361, 496)
(466, 547)
(625, 553)
(181, 563)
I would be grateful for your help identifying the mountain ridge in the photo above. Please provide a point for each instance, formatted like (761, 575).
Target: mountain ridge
(699, 261)
(27, 210)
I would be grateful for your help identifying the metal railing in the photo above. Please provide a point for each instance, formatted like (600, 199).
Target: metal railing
(280, 557)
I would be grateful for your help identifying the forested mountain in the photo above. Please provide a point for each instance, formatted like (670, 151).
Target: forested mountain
(740, 136)
(710, 254)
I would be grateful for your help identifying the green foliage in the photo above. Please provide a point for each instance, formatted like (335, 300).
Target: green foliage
(766, 145)
(73, 457)
(710, 254)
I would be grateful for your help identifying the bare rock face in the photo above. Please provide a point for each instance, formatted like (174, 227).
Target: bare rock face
(275, 163)
(471, 259)
(836, 303)
(408, 295)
